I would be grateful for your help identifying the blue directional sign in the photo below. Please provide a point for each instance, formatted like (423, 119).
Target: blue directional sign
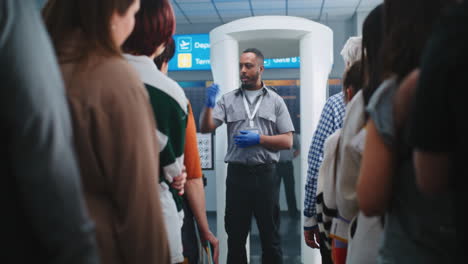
(193, 53)
(281, 63)
(184, 44)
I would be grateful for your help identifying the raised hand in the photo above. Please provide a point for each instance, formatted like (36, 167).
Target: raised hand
(211, 94)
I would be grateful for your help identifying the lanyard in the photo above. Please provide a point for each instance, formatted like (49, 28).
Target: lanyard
(247, 109)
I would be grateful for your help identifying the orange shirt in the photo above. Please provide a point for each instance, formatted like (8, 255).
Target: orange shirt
(191, 156)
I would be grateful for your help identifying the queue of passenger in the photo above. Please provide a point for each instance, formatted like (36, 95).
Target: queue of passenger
(115, 157)
(388, 190)
(101, 157)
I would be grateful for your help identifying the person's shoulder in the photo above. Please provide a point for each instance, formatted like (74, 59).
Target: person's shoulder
(153, 76)
(272, 88)
(167, 85)
(384, 92)
(335, 104)
(354, 111)
(356, 102)
(115, 70)
(115, 77)
(176, 88)
(166, 80)
(232, 94)
(336, 99)
(274, 95)
(272, 91)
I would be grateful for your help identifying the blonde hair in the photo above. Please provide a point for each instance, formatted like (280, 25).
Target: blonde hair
(351, 51)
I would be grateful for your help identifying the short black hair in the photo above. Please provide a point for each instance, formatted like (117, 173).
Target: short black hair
(257, 53)
(167, 54)
(353, 77)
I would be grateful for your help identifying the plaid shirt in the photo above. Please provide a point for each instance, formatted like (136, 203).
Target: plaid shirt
(331, 119)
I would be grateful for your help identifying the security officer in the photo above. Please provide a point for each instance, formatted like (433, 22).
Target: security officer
(258, 125)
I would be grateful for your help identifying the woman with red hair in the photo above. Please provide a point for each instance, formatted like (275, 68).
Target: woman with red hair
(154, 27)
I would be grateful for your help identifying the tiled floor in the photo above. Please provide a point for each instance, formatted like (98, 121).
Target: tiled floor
(290, 239)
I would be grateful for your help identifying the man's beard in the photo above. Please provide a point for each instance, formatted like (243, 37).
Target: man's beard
(247, 86)
(252, 84)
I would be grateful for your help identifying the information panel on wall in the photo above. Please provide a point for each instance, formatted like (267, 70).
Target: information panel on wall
(192, 53)
(205, 149)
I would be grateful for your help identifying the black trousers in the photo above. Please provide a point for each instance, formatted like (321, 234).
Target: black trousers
(286, 172)
(252, 190)
(189, 237)
(326, 255)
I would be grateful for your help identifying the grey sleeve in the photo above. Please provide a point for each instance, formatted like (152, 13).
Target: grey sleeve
(380, 109)
(283, 119)
(296, 143)
(40, 151)
(219, 112)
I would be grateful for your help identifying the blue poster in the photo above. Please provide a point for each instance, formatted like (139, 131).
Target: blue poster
(192, 53)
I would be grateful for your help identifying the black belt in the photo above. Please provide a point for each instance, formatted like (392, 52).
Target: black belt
(262, 165)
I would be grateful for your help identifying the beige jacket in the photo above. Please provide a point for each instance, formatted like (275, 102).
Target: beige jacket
(363, 244)
(116, 144)
(349, 161)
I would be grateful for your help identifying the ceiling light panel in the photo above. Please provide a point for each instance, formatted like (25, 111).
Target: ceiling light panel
(268, 5)
(300, 4)
(304, 12)
(235, 13)
(205, 19)
(338, 13)
(191, 1)
(341, 3)
(232, 5)
(270, 12)
(199, 9)
(181, 20)
(177, 12)
(369, 4)
(230, 1)
(339, 9)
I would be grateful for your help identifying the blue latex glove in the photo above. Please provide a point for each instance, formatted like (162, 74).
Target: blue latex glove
(211, 94)
(247, 139)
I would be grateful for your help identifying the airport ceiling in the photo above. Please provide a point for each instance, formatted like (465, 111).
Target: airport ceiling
(223, 11)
